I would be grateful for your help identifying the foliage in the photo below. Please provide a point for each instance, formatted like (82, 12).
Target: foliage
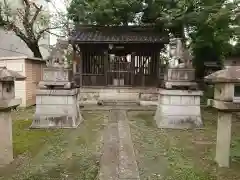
(234, 50)
(208, 25)
(104, 12)
(211, 38)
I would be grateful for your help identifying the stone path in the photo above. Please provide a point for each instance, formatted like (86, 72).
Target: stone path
(118, 160)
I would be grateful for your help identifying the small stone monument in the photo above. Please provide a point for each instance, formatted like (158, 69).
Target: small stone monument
(179, 100)
(7, 102)
(226, 101)
(57, 97)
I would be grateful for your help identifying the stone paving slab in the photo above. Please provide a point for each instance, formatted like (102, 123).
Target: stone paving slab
(118, 159)
(109, 159)
(127, 162)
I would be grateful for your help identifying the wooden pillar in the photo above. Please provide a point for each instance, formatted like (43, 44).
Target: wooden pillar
(132, 68)
(142, 56)
(158, 63)
(106, 67)
(223, 138)
(81, 69)
(74, 62)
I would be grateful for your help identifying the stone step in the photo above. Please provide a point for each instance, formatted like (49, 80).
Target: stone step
(107, 108)
(118, 103)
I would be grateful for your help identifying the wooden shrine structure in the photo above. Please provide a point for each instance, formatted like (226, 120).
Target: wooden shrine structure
(117, 56)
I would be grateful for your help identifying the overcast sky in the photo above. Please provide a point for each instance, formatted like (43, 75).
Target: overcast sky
(56, 7)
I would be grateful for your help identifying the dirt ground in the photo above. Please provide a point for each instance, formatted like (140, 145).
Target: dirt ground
(181, 154)
(55, 154)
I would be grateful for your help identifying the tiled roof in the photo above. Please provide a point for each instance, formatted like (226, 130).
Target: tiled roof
(118, 34)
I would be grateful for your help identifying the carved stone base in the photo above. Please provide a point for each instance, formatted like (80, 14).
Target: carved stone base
(180, 78)
(179, 109)
(57, 109)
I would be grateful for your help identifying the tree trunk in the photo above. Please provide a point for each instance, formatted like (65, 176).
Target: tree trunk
(35, 49)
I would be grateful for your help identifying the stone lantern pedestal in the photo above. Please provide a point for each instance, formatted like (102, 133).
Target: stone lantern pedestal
(7, 102)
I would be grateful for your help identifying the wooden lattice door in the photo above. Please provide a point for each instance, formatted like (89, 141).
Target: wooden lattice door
(120, 71)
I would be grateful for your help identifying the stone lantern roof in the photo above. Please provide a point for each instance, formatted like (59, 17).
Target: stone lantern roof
(229, 75)
(9, 75)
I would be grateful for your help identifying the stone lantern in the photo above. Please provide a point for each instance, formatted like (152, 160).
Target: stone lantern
(7, 102)
(226, 100)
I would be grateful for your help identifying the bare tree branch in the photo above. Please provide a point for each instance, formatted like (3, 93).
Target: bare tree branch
(40, 33)
(27, 11)
(29, 24)
(38, 10)
(54, 34)
(25, 22)
(18, 32)
(6, 9)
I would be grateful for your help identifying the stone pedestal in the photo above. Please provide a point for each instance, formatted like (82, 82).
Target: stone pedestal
(178, 109)
(57, 108)
(57, 100)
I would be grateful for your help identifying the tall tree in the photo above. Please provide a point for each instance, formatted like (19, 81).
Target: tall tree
(28, 20)
(212, 35)
(207, 24)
